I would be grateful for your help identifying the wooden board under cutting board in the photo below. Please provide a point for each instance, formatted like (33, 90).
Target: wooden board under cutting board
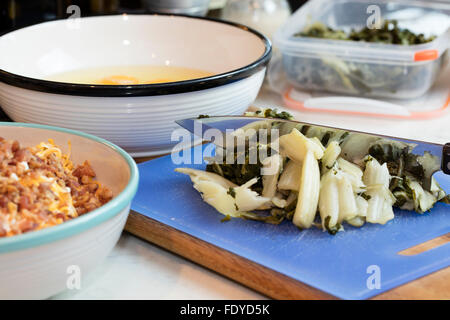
(170, 213)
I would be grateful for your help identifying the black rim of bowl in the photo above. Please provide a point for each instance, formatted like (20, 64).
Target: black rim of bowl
(145, 89)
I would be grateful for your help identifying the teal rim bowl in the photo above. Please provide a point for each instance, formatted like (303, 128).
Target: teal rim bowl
(84, 222)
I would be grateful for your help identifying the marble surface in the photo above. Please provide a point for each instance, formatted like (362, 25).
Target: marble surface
(139, 270)
(136, 269)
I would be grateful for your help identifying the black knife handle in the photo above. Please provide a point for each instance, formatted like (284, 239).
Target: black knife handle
(446, 158)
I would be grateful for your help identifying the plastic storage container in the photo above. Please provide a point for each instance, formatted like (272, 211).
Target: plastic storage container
(362, 68)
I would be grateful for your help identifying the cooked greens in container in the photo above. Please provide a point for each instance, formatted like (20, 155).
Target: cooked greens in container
(340, 46)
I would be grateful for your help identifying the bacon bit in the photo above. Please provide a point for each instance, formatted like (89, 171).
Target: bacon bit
(24, 203)
(26, 225)
(15, 146)
(84, 170)
(90, 206)
(81, 210)
(85, 180)
(44, 187)
(3, 201)
(60, 216)
(23, 155)
(105, 195)
(92, 187)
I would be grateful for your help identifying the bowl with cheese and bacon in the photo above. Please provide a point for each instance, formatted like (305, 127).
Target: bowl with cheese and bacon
(64, 199)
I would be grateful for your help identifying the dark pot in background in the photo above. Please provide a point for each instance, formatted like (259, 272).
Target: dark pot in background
(16, 14)
(191, 7)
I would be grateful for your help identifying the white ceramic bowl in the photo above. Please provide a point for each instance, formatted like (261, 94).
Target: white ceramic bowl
(39, 264)
(139, 118)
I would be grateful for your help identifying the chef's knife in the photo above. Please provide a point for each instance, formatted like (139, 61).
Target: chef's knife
(221, 124)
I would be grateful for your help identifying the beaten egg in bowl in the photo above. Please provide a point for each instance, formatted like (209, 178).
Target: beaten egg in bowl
(129, 75)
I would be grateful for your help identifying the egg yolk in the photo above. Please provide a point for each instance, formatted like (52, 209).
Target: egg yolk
(119, 80)
(162, 80)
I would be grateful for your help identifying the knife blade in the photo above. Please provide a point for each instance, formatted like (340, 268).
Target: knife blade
(218, 130)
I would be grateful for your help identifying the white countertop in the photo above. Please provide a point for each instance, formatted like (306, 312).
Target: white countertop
(138, 270)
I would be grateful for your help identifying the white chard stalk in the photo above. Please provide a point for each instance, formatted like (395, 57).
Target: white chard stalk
(305, 151)
(377, 177)
(338, 200)
(223, 195)
(308, 194)
(270, 172)
(295, 146)
(360, 219)
(330, 156)
(353, 173)
(247, 199)
(329, 199)
(347, 202)
(339, 187)
(290, 177)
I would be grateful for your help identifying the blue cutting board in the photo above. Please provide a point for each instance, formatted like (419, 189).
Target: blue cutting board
(344, 265)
